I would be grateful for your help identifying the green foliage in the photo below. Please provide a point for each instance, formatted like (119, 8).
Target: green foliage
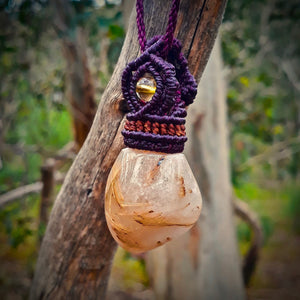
(244, 236)
(35, 122)
(115, 32)
(105, 27)
(267, 203)
(267, 227)
(262, 94)
(17, 221)
(293, 207)
(49, 127)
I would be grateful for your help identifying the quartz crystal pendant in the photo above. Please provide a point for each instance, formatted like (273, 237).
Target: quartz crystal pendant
(146, 87)
(150, 199)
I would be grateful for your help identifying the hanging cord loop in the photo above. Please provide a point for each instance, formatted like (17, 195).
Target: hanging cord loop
(169, 35)
(141, 24)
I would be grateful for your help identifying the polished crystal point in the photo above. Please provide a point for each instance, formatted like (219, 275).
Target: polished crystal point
(150, 199)
(146, 87)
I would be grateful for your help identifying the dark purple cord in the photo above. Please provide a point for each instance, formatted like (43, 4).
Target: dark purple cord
(158, 125)
(168, 37)
(141, 24)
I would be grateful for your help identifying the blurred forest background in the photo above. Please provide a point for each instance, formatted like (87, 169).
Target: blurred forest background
(42, 126)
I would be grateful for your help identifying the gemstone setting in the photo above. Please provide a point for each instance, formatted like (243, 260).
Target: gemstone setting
(146, 87)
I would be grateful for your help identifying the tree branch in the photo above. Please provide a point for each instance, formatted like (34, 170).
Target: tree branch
(243, 210)
(20, 192)
(273, 152)
(25, 190)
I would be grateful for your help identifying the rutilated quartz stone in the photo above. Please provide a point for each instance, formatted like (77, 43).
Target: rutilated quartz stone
(150, 199)
(146, 87)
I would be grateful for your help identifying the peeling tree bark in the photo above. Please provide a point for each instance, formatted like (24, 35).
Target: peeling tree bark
(204, 263)
(77, 249)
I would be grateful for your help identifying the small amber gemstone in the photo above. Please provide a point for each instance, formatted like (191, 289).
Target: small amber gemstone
(146, 87)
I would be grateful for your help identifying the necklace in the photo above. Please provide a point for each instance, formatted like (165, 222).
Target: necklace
(151, 194)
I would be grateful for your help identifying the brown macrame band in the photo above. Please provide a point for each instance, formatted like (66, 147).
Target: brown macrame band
(155, 128)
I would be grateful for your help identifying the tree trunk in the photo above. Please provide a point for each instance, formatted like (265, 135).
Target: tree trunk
(80, 87)
(204, 263)
(77, 249)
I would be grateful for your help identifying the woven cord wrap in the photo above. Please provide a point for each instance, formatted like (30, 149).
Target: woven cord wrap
(158, 125)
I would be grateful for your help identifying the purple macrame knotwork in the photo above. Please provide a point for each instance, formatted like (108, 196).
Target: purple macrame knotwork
(158, 125)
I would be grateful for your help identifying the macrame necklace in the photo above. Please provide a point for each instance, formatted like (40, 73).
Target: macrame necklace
(151, 195)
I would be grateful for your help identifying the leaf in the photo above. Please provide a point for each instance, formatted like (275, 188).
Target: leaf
(244, 81)
(115, 31)
(278, 129)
